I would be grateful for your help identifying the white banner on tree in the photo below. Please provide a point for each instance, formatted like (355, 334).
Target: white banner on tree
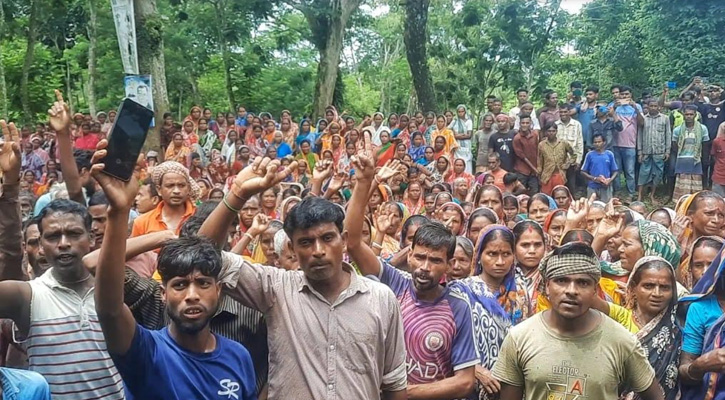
(126, 32)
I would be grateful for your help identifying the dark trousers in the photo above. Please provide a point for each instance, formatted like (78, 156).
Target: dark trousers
(571, 176)
(531, 182)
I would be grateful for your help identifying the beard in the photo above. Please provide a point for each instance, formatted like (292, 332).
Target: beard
(188, 327)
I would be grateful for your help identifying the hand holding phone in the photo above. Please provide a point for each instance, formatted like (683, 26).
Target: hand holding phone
(126, 139)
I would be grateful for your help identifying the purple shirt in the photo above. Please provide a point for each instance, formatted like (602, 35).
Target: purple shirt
(438, 334)
(627, 137)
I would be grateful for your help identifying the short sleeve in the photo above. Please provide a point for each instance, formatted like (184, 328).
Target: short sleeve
(507, 368)
(133, 366)
(586, 166)
(693, 334)
(464, 353)
(706, 134)
(395, 373)
(398, 281)
(613, 161)
(253, 285)
(637, 369)
(623, 316)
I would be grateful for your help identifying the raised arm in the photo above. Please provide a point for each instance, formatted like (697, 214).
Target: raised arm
(11, 238)
(359, 251)
(59, 120)
(257, 177)
(134, 246)
(117, 322)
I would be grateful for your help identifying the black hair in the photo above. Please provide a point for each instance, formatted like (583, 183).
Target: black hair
(625, 88)
(64, 206)
(615, 86)
(691, 107)
(594, 89)
(195, 155)
(490, 97)
(289, 192)
(313, 211)
(414, 220)
(656, 265)
(483, 212)
(577, 236)
(435, 235)
(191, 226)
(430, 114)
(576, 84)
(510, 200)
(27, 224)
(524, 116)
(566, 106)
(305, 193)
(167, 115)
(98, 199)
(537, 197)
(548, 126)
(548, 94)
(206, 121)
(82, 159)
(574, 248)
(215, 190)
(519, 90)
(524, 226)
(708, 242)
(504, 234)
(397, 208)
(596, 135)
(182, 256)
(510, 178)
(496, 100)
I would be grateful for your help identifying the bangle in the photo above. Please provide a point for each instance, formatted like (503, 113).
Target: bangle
(246, 234)
(229, 207)
(377, 245)
(377, 180)
(231, 190)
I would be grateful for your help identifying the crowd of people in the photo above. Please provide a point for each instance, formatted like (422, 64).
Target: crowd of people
(382, 257)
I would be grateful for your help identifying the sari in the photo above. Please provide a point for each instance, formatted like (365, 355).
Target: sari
(415, 208)
(493, 313)
(377, 130)
(712, 386)
(339, 151)
(189, 117)
(218, 169)
(311, 159)
(447, 134)
(687, 237)
(457, 207)
(685, 273)
(661, 338)
(301, 135)
(463, 175)
(180, 155)
(416, 153)
(385, 153)
(461, 126)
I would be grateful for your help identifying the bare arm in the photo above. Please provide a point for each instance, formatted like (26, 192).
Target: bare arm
(653, 392)
(59, 119)
(11, 238)
(693, 368)
(117, 322)
(359, 251)
(460, 385)
(399, 395)
(134, 246)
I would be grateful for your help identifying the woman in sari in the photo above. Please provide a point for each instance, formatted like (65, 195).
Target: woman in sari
(177, 150)
(562, 196)
(256, 143)
(452, 216)
(344, 164)
(194, 115)
(388, 222)
(401, 125)
(417, 147)
(413, 198)
(386, 151)
(229, 148)
(443, 131)
(530, 250)
(651, 316)
(289, 132)
(218, 169)
(462, 128)
(554, 228)
(305, 133)
(496, 302)
(308, 156)
(459, 171)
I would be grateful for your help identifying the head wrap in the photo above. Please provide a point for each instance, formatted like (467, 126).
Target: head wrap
(152, 154)
(174, 167)
(658, 241)
(555, 266)
(630, 284)
(458, 208)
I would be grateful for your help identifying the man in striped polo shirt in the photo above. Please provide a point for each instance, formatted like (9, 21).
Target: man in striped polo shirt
(56, 312)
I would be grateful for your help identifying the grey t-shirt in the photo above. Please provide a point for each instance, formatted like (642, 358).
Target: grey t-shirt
(593, 366)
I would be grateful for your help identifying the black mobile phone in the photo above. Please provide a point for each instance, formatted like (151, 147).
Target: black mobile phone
(127, 138)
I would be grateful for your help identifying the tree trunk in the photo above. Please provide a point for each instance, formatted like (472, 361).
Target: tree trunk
(220, 8)
(92, 43)
(3, 87)
(28, 62)
(150, 47)
(328, 28)
(415, 37)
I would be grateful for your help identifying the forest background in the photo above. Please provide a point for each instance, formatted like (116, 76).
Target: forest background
(361, 55)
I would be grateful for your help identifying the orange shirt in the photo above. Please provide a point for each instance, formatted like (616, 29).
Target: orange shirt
(498, 178)
(152, 221)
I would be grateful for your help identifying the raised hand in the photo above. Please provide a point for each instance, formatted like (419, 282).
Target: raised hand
(337, 181)
(389, 170)
(578, 210)
(680, 225)
(260, 223)
(612, 223)
(364, 167)
(121, 195)
(383, 221)
(323, 170)
(10, 153)
(59, 115)
(261, 175)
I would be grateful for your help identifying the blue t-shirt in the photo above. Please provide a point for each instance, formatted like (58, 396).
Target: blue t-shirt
(20, 384)
(585, 118)
(596, 164)
(701, 316)
(438, 334)
(155, 367)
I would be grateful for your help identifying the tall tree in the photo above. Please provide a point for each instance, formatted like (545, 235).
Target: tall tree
(415, 37)
(327, 20)
(150, 45)
(32, 36)
(92, 45)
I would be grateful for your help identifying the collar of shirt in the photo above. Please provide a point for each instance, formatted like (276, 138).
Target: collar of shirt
(357, 285)
(158, 213)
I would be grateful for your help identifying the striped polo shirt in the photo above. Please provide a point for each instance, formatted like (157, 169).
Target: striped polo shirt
(65, 343)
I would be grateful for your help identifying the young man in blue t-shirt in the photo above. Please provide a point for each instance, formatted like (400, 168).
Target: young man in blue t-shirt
(185, 360)
(600, 169)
